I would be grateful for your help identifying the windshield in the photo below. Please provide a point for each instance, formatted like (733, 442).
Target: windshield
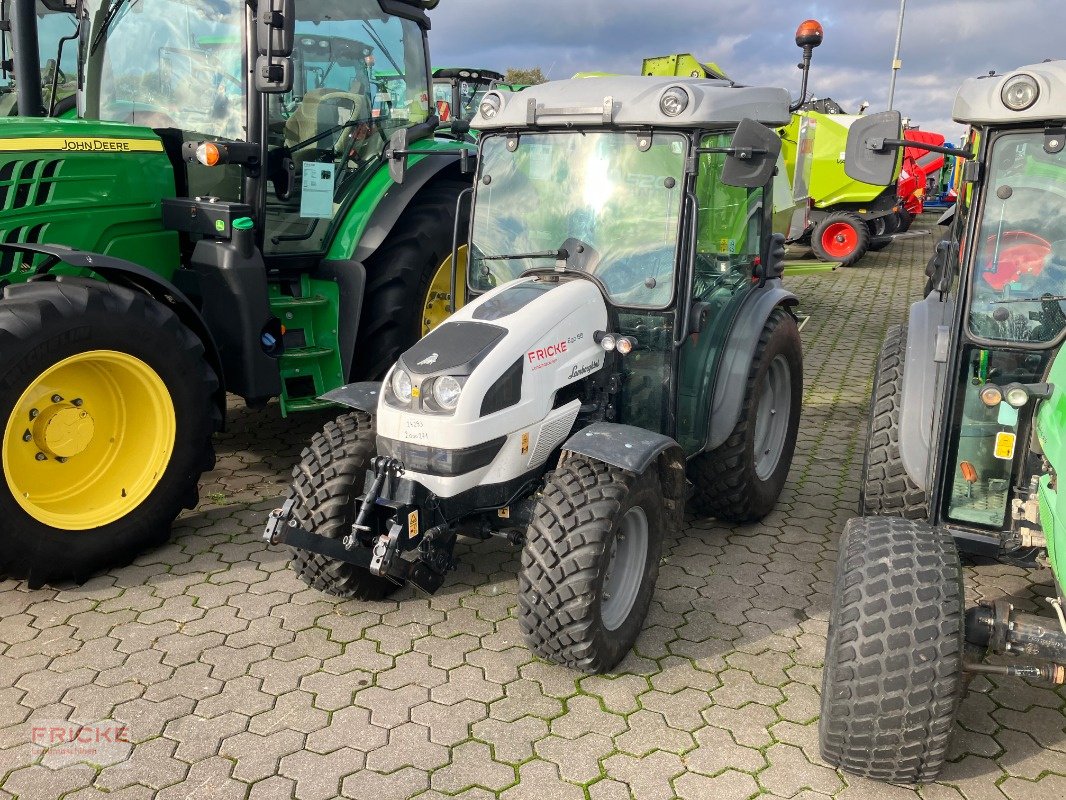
(1019, 273)
(598, 188)
(167, 64)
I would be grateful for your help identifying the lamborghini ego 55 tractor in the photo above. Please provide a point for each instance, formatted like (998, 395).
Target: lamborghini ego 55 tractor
(220, 218)
(966, 445)
(628, 334)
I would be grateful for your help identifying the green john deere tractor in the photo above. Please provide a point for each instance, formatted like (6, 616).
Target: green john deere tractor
(223, 218)
(966, 442)
(57, 51)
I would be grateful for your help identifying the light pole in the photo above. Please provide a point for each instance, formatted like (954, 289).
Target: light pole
(896, 63)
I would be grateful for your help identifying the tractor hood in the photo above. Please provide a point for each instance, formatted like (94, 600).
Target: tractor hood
(512, 351)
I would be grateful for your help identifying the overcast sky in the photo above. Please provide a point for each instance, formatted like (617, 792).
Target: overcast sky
(944, 41)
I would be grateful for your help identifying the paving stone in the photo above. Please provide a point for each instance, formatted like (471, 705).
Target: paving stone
(538, 780)
(578, 759)
(648, 778)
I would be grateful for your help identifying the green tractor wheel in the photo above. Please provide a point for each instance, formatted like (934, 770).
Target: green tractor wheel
(109, 413)
(841, 236)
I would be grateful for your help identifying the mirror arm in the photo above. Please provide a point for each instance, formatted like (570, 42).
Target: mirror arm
(880, 145)
(743, 153)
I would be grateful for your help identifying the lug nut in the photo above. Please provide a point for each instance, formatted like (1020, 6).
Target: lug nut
(61, 460)
(27, 437)
(42, 457)
(57, 399)
(77, 402)
(33, 413)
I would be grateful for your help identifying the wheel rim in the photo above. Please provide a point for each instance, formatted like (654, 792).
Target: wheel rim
(772, 418)
(839, 239)
(625, 569)
(89, 440)
(439, 294)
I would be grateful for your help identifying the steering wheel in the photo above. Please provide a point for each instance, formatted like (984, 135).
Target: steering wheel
(1020, 253)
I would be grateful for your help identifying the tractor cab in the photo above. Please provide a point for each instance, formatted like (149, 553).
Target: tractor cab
(56, 26)
(965, 443)
(624, 326)
(457, 91)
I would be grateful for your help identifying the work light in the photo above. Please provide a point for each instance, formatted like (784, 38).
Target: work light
(1019, 92)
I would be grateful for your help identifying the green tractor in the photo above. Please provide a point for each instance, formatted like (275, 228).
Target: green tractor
(223, 218)
(457, 91)
(57, 51)
(965, 446)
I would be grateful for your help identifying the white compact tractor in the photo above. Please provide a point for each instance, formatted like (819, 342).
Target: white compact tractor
(626, 349)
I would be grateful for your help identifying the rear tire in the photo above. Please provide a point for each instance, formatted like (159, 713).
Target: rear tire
(738, 481)
(842, 237)
(325, 485)
(905, 220)
(893, 663)
(587, 511)
(399, 275)
(887, 490)
(106, 330)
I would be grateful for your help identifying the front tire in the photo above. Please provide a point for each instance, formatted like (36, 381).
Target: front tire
(110, 407)
(893, 662)
(590, 563)
(842, 237)
(740, 480)
(325, 485)
(887, 490)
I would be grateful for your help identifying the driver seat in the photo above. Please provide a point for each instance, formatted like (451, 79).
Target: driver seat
(319, 111)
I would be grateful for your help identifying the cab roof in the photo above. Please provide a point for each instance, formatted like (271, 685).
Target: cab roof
(979, 101)
(468, 72)
(633, 101)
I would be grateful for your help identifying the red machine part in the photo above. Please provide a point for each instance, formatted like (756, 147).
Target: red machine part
(1020, 253)
(918, 165)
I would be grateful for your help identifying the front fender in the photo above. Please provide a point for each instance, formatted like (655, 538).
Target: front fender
(361, 396)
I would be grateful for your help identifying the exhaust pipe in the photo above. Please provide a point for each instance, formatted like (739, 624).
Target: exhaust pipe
(26, 60)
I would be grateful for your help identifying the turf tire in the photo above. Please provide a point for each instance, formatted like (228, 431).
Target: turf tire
(887, 490)
(44, 322)
(565, 559)
(726, 484)
(893, 664)
(325, 484)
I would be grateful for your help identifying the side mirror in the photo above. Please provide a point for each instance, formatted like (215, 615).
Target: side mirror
(868, 158)
(753, 156)
(275, 27)
(273, 74)
(397, 155)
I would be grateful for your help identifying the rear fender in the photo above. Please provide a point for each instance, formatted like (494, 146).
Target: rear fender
(928, 339)
(732, 379)
(139, 279)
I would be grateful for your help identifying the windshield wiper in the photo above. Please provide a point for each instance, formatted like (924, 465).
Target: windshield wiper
(1045, 298)
(384, 49)
(558, 255)
(112, 12)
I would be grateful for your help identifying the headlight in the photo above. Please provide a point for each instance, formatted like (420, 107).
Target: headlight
(1019, 92)
(401, 386)
(491, 105)
(1017, 396)
(991, 395)
(673, 101)
(446, 391)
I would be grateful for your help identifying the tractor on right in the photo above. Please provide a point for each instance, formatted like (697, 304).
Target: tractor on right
(966, 441)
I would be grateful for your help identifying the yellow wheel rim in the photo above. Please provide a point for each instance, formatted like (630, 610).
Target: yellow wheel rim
(439, 294)
(89, 440)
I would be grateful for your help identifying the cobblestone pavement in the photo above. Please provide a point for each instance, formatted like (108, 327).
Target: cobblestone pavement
(233, 680)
